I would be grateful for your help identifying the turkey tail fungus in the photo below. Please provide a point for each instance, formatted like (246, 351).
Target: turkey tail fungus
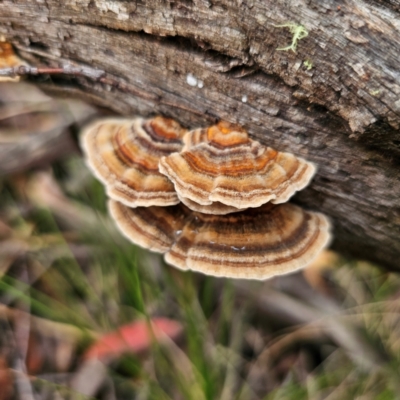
(222, 164)
(124, 154)
(258, 243)
(230, 222)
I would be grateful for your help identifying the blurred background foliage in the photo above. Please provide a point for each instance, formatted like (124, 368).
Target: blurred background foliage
(68, 278)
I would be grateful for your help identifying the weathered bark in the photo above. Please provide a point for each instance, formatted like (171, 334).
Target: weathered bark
(334, 101)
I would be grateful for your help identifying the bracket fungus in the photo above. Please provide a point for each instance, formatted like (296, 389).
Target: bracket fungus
(231, 221)
(124, 154)
(222, 165)
(253, 244)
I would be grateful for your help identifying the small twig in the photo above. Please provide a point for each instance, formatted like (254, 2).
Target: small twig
(23, 70)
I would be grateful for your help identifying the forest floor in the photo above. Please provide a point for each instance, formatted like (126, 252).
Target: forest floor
(84, 314)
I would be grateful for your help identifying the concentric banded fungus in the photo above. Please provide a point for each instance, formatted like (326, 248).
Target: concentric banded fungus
(124, 155)
(222, 164)
(253, 244)
(154, 228)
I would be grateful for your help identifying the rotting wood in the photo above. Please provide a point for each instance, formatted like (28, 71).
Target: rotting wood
(335, 101)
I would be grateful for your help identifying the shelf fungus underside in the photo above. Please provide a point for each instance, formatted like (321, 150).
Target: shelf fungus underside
(253, 244)
(221, 165)
(124, 155)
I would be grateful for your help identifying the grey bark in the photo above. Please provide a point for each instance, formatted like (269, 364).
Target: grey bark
(335, 100)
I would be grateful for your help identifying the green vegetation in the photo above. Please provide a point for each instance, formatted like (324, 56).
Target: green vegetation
(308, 64)
(241, 340)
(298, 31)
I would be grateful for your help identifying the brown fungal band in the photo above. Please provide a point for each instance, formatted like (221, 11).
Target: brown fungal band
(153, 228)
(215, 208)
(124, 155)
(222, 164)
(253, 244)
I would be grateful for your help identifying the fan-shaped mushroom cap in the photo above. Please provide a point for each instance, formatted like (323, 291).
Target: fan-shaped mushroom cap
(124, 155)
(252, 244)
(154, 228)
(222, 164)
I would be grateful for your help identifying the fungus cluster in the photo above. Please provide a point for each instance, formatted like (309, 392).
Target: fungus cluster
(211, 199)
